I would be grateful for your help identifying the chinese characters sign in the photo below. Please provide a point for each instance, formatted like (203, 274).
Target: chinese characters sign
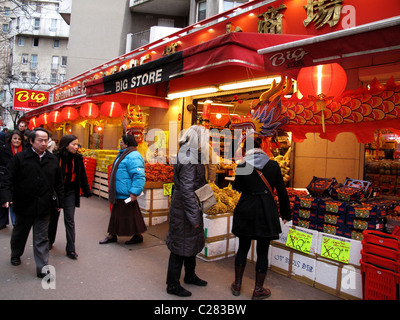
(323, 12)
(26, 100)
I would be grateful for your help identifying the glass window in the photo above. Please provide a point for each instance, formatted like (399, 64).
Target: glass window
(54, 62)
(230, 4)
(53, 78)
(6, 11)
(34, 59)
(35, 42)
(37, 23)
(33, 76)
(201, 10)
(6, 28)
(56, 43)
(24, 58)
(53, 25)
(24, 76)
(63, 61)
(21, 41)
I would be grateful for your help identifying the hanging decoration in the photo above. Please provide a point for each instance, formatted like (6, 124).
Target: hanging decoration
(33, 123)
(44, 119)
(361, 111)
(55, 117)
(111, 109)
(69, 113)
(89, 110)
(219, 116)
(321, 83)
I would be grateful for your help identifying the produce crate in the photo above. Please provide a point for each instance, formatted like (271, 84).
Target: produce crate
(307, 202)
(332, 229)
(381, 261)
(335, 206)
(218, 248)
(304, 213)
(378, 283)
(304, 223)
(321, 186)
(365, 211)
(353, 190)
(365, 224)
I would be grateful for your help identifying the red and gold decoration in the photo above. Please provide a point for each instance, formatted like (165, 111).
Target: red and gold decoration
(111, 109)
(69, 113)
(219, 116)
(361, 111)
(89, 110)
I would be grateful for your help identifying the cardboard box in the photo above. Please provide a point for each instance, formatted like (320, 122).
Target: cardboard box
(153, 199)
(344, 281)
(292, 263)
(218, 225)
(355, 248)
(218, 249)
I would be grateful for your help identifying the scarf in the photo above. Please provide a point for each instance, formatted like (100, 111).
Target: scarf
(18, 150)
(112, 192)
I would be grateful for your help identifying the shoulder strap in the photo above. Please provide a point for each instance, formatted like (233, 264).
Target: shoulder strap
(265, 181)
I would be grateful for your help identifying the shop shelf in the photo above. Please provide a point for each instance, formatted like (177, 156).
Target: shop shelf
(379, 283)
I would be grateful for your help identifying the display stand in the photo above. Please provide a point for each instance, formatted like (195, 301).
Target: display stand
(153, 204)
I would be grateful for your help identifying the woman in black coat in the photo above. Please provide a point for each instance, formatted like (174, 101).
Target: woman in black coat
(256, 214)
(13, 145)
(185, 238)
(74, 177)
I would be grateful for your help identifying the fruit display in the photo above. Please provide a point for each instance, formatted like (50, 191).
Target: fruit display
(227, 199)
(159, 172)
(284, 164)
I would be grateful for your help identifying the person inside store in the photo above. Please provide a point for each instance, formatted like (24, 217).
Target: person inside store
(185, 237)
(127, 179)
(12, 146)
(75, 179)
(256, 215)
(32, 180)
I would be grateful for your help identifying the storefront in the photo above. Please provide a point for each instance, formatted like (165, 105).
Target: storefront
(215, 73)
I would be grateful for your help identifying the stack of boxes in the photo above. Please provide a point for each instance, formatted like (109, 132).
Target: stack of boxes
(340, 211)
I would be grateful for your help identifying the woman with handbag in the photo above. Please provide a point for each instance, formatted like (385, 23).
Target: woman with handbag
(127, 180)
(256, 215)
(185, 237)
(74, 178)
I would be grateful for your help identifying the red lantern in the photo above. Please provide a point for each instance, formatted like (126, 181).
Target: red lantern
(34, 123)
(55, 117)
(328, 80)
(206, 110)
(44, 118)
(219, 116)
(69, 113)
(89, 110)
(111, 109)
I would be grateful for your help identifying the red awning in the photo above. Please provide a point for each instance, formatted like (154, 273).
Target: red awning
(230, 50)
(371, 39)
(57, 105)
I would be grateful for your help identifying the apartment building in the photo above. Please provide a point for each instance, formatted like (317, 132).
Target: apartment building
(35, 41)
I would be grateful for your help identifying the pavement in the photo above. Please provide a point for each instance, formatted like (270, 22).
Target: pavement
(117, 271)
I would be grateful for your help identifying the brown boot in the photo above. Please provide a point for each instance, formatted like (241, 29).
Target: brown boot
(237, 284)
(260, 292)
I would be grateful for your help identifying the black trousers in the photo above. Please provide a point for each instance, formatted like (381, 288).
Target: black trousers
(261, 249)
(20, 233)
(175, 267)
(69, 222)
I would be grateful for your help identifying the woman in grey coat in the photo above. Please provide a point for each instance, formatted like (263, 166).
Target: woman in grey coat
(185, 238)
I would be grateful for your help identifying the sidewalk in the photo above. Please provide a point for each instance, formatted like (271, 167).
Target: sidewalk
(126, 272)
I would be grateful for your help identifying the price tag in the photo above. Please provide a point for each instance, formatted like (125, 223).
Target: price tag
(167, 189)
(299, 240)
(338, 250)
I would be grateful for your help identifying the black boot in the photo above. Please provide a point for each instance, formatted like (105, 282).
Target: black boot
(237, 284)
(178, 291)
(260, 292)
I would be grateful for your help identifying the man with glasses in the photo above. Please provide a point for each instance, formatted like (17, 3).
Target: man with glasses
(32, 178)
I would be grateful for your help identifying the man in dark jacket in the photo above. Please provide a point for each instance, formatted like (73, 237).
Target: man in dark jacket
(32, 177)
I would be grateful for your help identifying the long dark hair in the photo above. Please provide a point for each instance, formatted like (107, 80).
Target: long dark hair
(17, 132)
(64, 142)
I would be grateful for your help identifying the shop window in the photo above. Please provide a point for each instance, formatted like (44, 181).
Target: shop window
(382, 163)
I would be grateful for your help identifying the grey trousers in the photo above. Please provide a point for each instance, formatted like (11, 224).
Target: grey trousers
(20, 233)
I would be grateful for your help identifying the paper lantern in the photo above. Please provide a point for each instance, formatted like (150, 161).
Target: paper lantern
(69, 113)
(111, 109)
(206, 110)
(219, 116)
(55, 117)
(89, 110)
(328, 80)
(44, 118)
(34, 123)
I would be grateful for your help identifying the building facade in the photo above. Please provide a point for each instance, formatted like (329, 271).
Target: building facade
(35, 39)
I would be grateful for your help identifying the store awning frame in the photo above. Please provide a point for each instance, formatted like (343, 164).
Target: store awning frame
(374, 38)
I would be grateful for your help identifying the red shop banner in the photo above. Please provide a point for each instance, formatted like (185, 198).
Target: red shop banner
(26, 100)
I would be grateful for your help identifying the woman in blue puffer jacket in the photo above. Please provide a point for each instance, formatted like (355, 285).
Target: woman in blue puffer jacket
(127, 181)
